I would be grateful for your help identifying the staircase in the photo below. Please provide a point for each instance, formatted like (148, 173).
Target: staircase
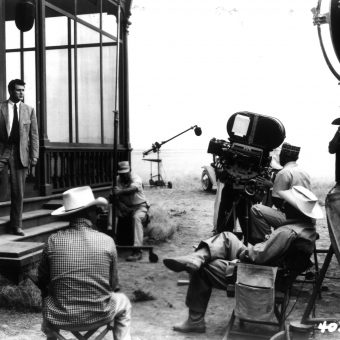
(18, 254)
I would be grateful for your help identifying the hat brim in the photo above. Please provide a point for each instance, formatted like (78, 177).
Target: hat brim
(100, 201)
(336, 121)
(125, 171)
(288, 196)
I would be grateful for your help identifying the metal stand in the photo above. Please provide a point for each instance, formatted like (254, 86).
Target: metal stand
(306, 319)
(155, 148)
(159, 181)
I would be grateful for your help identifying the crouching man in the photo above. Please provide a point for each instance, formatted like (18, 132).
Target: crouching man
(130, 201)
(213, 262)
(78, 272)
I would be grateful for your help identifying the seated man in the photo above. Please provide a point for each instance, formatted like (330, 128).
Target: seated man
(213, 262)
(131, 201)
(77, 274)
(262, 217)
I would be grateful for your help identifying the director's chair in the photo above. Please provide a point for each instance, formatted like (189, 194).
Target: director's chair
(83, 334)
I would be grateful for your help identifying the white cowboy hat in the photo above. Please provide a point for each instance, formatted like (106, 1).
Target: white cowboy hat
(123, 167)
(77, 199)
(302, 199)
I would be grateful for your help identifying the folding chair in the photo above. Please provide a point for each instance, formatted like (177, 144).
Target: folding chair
(84, 334)
(264, 315)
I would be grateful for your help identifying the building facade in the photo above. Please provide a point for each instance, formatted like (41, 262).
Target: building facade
(72, 54)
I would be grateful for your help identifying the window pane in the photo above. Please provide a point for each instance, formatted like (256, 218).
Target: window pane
(12, 66)
(109, 85)
(56, 29)
(93, 19)
(57, 104)
(29, 77)
(12, 35)
(29, 38)
(66, 5)
(89, 95)
(86, 36)
(109, 18)
(89, 11)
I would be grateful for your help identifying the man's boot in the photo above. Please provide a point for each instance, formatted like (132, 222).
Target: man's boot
(194, 323)
(189, 263)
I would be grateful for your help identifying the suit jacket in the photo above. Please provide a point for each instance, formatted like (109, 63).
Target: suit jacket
(29, 137)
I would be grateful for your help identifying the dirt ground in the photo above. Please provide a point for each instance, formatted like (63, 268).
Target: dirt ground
(191, 210)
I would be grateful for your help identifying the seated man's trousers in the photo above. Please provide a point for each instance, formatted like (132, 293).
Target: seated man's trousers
(216, 273)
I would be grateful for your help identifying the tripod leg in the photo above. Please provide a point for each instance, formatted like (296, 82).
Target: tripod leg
(246, 220)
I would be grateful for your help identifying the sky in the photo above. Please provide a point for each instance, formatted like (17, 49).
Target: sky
(196, 62)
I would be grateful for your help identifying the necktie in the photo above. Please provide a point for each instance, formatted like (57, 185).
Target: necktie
(15, 126)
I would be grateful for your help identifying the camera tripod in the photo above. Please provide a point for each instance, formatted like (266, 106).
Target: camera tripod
(242, 201)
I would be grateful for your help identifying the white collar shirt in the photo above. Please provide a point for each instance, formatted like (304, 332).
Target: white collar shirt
(11, 113)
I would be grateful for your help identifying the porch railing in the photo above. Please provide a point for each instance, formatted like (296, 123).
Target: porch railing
(69, 166)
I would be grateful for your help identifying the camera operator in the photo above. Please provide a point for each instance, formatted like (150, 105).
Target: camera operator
(262, 217)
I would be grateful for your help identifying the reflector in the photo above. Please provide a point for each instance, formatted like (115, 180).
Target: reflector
(334, 26)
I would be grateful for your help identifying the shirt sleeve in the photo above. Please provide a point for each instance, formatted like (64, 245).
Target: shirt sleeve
(282, 182)
(114, 268)
(272, 249)
(137, 183)
(44, 272)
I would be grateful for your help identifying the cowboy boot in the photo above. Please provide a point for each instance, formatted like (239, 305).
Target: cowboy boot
(194, 323)
(189, 263)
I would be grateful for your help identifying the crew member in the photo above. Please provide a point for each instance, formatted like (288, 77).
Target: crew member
(131, 202)
(78, 273)
(262, 217)
(212, 264)
(334, 148)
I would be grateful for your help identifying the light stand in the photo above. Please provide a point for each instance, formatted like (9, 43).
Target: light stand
(155, 148)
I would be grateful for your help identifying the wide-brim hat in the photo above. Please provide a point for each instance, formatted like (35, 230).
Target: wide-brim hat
(78, 199)
(302, 199)
(123, 167)
(336, 121)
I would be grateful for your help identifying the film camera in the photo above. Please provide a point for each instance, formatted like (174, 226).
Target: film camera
(245, 158)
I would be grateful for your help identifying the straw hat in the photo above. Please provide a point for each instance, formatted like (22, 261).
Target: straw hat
(302, 199)
(123, 167)
(77, 199)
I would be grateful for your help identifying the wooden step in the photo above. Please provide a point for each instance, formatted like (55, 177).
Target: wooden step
(29, 219)
(17, 258)
(39, 233)
(53, 204)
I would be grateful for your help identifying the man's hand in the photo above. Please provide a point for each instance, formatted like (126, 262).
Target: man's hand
(265, 182)
(34, 161)
(243, 256)
(116, 191)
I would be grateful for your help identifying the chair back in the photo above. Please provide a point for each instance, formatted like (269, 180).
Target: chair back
(255, 292)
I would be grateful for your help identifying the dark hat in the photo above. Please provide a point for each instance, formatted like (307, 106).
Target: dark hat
(336, 121)
(123, 167)
(289, 149)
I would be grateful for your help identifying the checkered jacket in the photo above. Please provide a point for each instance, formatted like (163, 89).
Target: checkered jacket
(77, 275)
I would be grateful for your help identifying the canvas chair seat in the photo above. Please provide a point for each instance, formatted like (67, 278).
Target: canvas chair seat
(84, 334)
(279, 299)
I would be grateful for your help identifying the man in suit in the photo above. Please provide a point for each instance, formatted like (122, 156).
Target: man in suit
(19, 147)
